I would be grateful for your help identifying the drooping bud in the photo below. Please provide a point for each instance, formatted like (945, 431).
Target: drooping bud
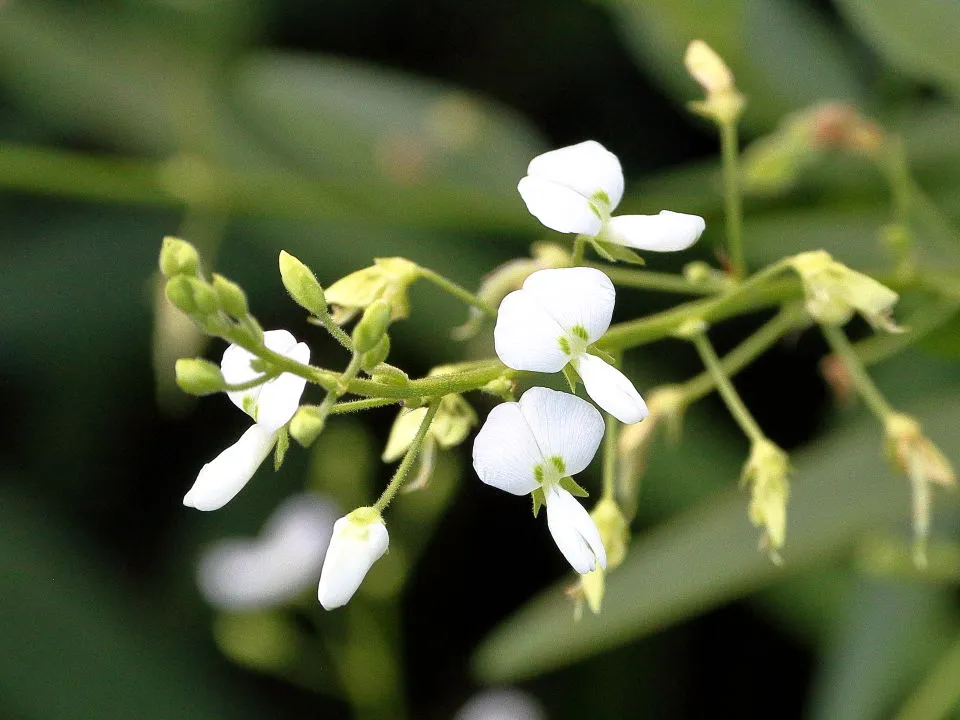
(765, 472)
(914, 454)
(615, 534)
(231, 296)
(834, 292)
(178, 257)
(302, 285)
(372, 326)
(359, 540)
(387, 279)
(199, 377)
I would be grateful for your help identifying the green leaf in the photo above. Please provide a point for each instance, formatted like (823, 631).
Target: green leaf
(917, 37)
(708, 555)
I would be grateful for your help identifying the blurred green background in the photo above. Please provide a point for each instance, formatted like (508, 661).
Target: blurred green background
(341, 131)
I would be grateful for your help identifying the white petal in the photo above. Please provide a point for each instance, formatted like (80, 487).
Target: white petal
(575, 296)
(559, 207)
(563, 425)
(586, 167)
(224, 476)
(280, 398)
(274, 568)
(574, 531)
(611, 389)
(236, 369)
(354, 548)
(501, 704)
(505, 451)
(526, 337)
(665, 232)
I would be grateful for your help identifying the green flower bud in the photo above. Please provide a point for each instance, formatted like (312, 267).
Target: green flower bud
(204, 296)
(302, 285)
(766, 472)
(178, 257)
(372, 326)
(614, 531)
(306, 425)
(387, 279)
(231, 296)
(180, 294)
(199, 377)
(377, 355)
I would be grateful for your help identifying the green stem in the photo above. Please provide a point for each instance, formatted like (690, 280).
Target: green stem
(725, 387)
(732, 197)
(609, 458)
(350, 406)
(579, 246)
(939, 693)
(327, 323)
(871, 395)
(660, 281)
(746, 352)
(456, 290)
(396, 482)
(257, 381)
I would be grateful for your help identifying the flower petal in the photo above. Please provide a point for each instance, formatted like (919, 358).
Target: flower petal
(586, 167)
(280, 398)
(224, 476)
(526, 337)
(404, 430)
(611, 389)
(505, 451)
(354, 547)
(275, 568)
(236, 369)
(563, 425)
(666, 232)
(574, 531)
(575, 296)
(559, 207)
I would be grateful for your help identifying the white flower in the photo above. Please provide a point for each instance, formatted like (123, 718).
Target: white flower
(533, 445)
(270, 404)
(501, 704)
(240, 574)
(552, 320)
(359, 540)
(575, 189)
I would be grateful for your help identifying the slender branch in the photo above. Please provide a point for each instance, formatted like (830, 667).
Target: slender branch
(349, 406)
(609, 458)
(579, 246)
(732, 197)
(456, 290)
(871, 395)
(661, 281)
(396, 482)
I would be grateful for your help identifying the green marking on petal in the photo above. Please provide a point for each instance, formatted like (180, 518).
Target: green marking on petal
(559, 464)
(579, 331)
(564, 345)
(538, 473)
(250, 406)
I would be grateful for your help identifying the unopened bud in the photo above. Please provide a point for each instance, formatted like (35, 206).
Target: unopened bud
(180, 294)
(306, 425)
(766, 473)
(231, 296)
(379, 353)
(199, 377)
(723, 103)
(178, 257)
(302, 285)
(372, 326)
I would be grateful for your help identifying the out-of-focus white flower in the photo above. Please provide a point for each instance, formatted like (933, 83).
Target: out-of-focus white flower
(552, 320)
(501, 704)
(271, 405)
(576, 188)
(270, 570)
(535, 445)
(359, 540)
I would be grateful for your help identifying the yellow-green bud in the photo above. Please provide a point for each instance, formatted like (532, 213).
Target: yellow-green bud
(178, 257)
(199, 377)
(302, 284)
(453, 422)
(231, 296)
(387, 279)
(766, 472)
(180, 294)
(372, 326)
(204, 296)
(306, 425)
(377, 355)
(614, 531)
(724, 103)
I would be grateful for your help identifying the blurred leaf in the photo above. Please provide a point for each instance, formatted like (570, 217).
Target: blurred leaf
(919, 37)
(708, 555)
(887, 633)
(783, 55)
(945, 340)
(73, 644)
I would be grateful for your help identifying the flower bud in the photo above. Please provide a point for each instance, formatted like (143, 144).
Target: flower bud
(306, 425)
(724, 103)
(302, 285)
(387, 279)
(833, 292)
(914, 454)
(402, 433)
(359, 540)
(180, 294)
(231, 296)
(178, 257)
(379, 353)
(372, 326)
(199, 377)
(766, 473)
